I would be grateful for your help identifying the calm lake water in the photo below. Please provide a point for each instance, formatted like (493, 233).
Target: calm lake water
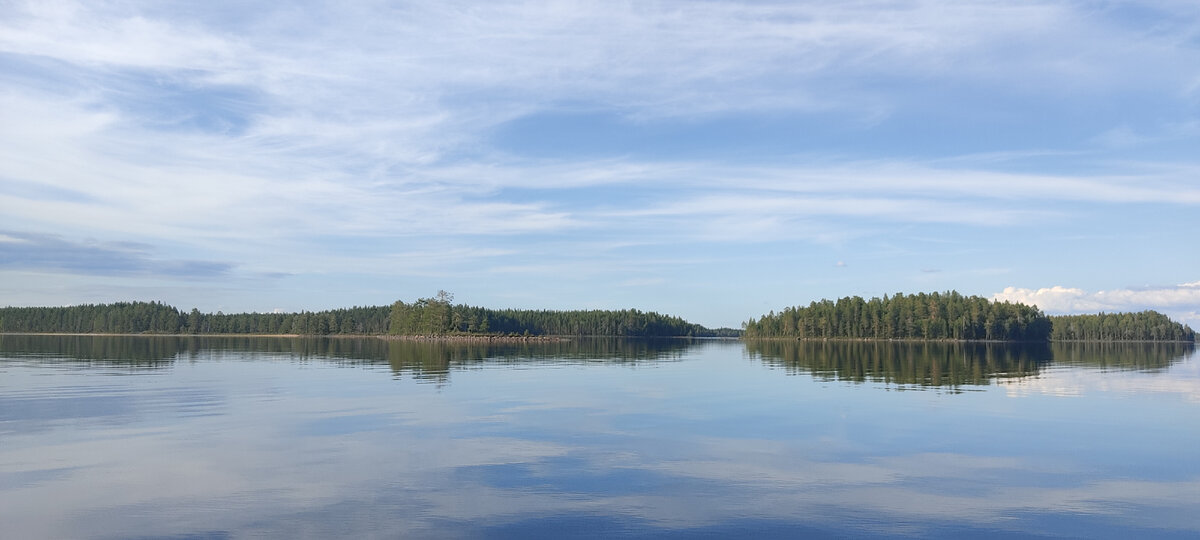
(212, 438)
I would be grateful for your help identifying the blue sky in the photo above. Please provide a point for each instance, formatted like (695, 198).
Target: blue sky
(713, 160)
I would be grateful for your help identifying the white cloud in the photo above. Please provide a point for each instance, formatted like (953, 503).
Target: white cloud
(1180, 302)
(645, 59)
(379, 122)
(355, 138)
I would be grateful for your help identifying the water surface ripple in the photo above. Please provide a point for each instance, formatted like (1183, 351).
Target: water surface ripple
(150, 437)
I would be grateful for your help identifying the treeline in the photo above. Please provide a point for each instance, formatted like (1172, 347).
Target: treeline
(439, 316)
(934, 316)
(1144, 326)
(158, 318)
(426, 316)
(119, 318)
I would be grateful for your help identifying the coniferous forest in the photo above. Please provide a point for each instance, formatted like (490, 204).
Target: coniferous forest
(158, 318)
(952, 316)
(427, 317)
(1141, 326)
(948, 316)
(926, 316)
(438, 316)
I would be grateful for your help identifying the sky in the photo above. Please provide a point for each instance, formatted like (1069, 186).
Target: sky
(713, 160)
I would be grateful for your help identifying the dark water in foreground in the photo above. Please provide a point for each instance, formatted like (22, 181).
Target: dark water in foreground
(105, 437)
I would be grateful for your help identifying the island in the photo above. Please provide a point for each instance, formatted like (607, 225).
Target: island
(435, 317)
(937, 316)
(950, 316)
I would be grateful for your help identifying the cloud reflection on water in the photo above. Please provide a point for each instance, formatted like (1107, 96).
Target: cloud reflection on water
(706, 445)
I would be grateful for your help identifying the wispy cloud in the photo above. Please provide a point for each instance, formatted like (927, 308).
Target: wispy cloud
(24, 251)
(340, 137)
(268, 136)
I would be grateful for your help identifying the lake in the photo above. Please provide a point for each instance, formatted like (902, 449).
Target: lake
(214, 438)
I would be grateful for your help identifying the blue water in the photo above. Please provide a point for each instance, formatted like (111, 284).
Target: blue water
(104, 437)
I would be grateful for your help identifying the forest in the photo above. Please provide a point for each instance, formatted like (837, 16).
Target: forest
(158, 318)
(426, 316)
(954, 317)
(439, 316)
(1141, 326)
(946, 316)
(935, 316)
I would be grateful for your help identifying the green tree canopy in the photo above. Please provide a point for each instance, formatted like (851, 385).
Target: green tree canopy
(932, 316)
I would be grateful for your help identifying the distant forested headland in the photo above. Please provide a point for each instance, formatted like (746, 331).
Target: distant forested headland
(954, 317)
(158, 318)
(436, 316)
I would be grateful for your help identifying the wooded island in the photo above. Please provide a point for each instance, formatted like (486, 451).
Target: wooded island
(954, 317)
(436, 316)
(946, 316)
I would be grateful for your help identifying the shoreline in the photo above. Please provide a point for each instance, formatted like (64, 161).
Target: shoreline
(500, 338)
(917, 340)
(448, 338)
(887, 340)
(473, 339)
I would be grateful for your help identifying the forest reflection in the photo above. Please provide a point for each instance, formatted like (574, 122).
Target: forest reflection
(1122, 356)
(932, 364)
(435, 360)
(904, 363)
(135, 352)
(421, 359)
(953, 364)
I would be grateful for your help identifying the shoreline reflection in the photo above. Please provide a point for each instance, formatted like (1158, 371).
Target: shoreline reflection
(914, 364)
(905, 363)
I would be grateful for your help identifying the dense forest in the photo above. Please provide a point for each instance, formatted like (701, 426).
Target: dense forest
(948, 316)
(933, 316)
(426, 316)
(158, 318)
(1142, 326)
(439, 316)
